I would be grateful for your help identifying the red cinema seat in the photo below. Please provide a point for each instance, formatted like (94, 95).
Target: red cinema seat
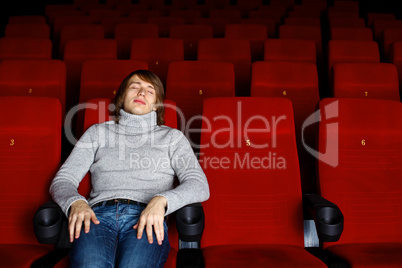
(245, 6)
(297, 81)
(289, 4)
(269, 23)
(321, 4)
(349, 5)
(30, 30)
(188, 15)
(236, 51)
(389, 35)
(189, 82)
(30, 128)
(347, 22)
(302, 33)
(256, 34)
(79, 31)
(96, 15)
(254, 214)
(340, 12)
(126, 8)
(216, 4)
(202, 8)
(26, 19)
(290, 50)
(109, 24)
(143, 15)
(158, 53)
(191, 34)
(51, 17)
(370, 17)
(101, 79)
(352, 51)
(380, 24)
(79, 3)
(274, 14)
(164, 24)
(303, 21)
(233, 16)
(218, 25)
(57, 7)
(396, 58)
(37, 78)
(25, 48)
(312, 5)
(349, 33)
(305, 12)
(365, 80)
(126, 33)
(78, 51)
(359, 168)
(61, 21)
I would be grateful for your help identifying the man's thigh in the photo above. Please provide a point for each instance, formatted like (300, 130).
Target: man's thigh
(133, 252)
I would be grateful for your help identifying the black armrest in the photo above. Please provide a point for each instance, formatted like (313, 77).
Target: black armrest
(51, 225)
(48, 221)
(327, 216)
(190, 222)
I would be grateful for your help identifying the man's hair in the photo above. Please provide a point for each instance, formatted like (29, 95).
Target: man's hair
(146, 76)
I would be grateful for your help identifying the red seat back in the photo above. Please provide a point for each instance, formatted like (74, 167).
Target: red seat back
(125, 33)
(30, 157)
(190, 34)
(256, 34)
(290, 50)
(297, 81)
(365, 80)
(350, 33)
(79, 31)
(352, 51)
(39, 78)
(78, 51)
(236, 51)
(25, 48)
(31, 30)
(365, 178)
(250, 158)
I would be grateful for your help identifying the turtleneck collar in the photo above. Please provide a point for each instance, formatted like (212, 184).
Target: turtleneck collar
(144, 122)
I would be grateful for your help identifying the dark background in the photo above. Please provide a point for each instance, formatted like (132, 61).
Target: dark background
(37, 7)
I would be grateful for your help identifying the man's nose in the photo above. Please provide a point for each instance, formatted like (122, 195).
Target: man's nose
(141, 92)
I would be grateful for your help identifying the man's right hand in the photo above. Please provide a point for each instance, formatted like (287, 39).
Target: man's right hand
(80, 213)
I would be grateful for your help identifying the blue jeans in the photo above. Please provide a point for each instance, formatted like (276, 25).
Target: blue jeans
(114, 243)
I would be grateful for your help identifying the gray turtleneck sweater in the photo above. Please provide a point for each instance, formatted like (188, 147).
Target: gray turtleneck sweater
(135, 159)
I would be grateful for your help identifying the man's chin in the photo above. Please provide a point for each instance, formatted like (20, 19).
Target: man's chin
(138, 111)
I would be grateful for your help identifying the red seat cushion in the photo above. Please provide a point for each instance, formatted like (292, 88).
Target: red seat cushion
(370, 255)
(259, 256)
(20, 255)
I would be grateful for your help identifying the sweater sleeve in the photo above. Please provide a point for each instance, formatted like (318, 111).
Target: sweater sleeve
(64, 187)
(193, 185)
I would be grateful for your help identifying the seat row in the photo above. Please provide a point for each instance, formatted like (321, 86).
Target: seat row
(158, 53)
(359, 170)
(190, 82)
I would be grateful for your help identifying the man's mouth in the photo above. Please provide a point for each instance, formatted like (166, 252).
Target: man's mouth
(139, 101)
